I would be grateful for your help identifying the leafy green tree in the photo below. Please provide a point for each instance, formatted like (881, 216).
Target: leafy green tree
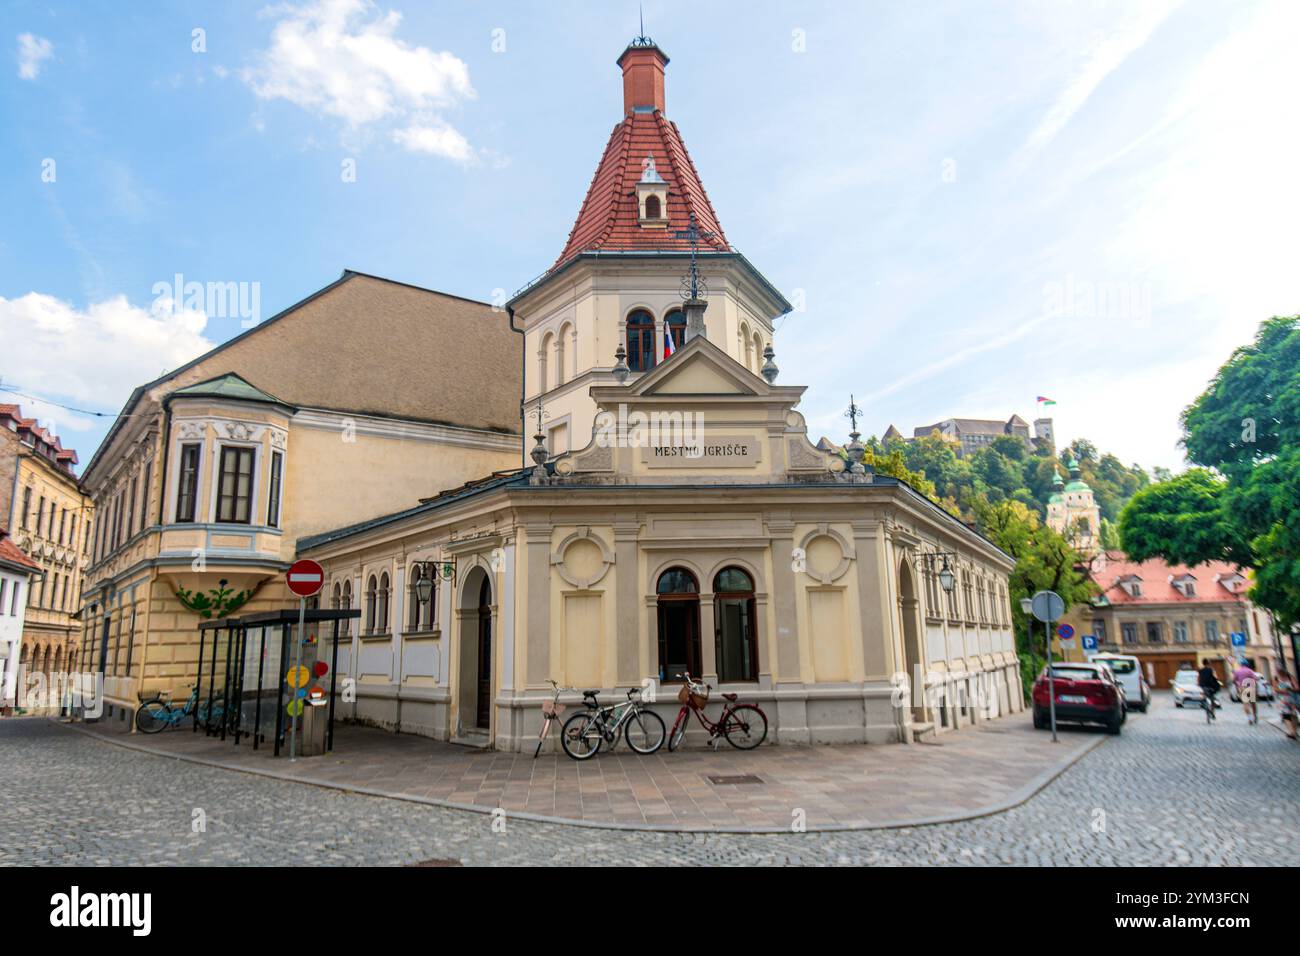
(1110, 539)
(1044, 561)
(1246, 427)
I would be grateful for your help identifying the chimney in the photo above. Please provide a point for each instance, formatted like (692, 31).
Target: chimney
(643, 77)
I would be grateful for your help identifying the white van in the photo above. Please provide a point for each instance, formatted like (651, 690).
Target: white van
(1128, 674)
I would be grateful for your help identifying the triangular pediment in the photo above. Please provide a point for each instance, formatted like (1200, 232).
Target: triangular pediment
(700, 368)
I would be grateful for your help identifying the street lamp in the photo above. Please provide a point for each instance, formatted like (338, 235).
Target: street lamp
(423, 587)
(1026, 606)
(947, 580)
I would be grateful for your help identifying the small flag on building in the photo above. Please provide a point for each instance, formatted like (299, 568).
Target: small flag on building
(1044, 400)
(669, 345)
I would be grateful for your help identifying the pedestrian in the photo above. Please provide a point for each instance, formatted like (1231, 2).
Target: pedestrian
(1288, 695)
(1247, 682)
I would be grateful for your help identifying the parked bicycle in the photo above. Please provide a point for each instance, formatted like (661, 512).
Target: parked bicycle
(552, 710)
(744, 725)
(587, 731)
(159, 713)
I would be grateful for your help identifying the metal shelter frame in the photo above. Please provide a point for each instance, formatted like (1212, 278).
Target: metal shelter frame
(237, 629)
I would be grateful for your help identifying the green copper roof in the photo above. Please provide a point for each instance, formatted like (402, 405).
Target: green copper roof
(229, 385)
(1078, 485)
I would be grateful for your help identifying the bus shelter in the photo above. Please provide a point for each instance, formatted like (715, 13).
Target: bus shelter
(243, 671)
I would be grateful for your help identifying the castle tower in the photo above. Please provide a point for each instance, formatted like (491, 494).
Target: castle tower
(1043, 430)
(620, 279)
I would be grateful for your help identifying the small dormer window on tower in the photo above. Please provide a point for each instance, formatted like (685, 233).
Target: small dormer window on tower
(652, 196)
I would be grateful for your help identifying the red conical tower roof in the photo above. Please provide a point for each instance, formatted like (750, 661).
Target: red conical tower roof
(608, 220)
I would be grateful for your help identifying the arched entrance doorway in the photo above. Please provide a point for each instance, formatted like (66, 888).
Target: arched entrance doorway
(909, 609)
(679, 625)
(475, 670)
(483, 687)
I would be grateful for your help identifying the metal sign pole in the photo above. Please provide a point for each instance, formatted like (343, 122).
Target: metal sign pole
(297, 662)
(1051, 684)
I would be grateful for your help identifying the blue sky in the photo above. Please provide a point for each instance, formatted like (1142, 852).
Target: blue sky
(975, 203)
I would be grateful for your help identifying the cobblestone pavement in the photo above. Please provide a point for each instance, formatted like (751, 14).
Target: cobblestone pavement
(1169, 791)
(990, 766)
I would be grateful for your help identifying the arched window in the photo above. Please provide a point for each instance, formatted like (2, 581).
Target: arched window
(381, 616)
(336, 595)
(561, 357)
(640, 341)
(652, 208)
(746, 346)
(345, 604)
(676, 322)
(736, 615)
(758, 352)
(372, 597)
(543, 362)
(679, 625)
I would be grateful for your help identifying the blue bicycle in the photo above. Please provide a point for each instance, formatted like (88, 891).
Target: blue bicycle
(158, 713)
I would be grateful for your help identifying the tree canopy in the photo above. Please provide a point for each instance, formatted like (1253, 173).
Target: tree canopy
(1243, 503)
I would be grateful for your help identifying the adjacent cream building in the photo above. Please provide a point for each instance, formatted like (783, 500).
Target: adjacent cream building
(320, 415)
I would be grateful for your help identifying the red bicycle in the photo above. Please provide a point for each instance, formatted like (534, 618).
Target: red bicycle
(744, 725)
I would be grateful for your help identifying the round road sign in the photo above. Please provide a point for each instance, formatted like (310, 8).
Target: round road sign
(305, 578)
(1065, 631)
(1048, 606)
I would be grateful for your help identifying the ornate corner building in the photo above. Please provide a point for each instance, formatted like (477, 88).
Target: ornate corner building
(49, 519)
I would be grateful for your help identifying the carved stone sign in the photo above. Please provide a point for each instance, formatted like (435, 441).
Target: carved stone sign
(714, 451)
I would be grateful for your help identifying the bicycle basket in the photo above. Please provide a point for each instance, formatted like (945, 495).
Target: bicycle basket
(552, 709)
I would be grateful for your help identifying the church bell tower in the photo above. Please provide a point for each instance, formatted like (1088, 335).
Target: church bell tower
(645, 267)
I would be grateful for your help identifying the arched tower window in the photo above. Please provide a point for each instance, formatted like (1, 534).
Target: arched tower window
(652, 208)
(640, 341)
(543, 362)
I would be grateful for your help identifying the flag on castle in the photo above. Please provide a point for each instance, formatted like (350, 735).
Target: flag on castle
(1044, 400)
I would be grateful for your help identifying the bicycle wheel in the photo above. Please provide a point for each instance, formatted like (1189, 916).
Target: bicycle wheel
(679, 729)
(644, 731)
(745, 727)
(580, 736)
(151, 717)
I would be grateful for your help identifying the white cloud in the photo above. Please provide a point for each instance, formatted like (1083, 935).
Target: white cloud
(438, 140)
(32, 50)
(341, 58)
(93, 357)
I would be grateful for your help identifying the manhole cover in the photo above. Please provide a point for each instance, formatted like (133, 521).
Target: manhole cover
(740, 778)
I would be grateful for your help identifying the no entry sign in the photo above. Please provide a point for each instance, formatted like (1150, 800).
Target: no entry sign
(305, 578)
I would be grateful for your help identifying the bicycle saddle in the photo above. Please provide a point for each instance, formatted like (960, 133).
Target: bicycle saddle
(730, 697)
(590, 693)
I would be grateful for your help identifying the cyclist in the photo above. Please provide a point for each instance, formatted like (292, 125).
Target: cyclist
(1209, 684)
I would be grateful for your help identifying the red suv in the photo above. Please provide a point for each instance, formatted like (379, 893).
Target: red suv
(1085, 693)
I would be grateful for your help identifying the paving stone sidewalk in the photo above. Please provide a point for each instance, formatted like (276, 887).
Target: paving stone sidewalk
(975, 771)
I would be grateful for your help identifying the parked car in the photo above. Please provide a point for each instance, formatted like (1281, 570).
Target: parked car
(1263, 690)
(1085, 693)
(1187, 691)
(1127, 670)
